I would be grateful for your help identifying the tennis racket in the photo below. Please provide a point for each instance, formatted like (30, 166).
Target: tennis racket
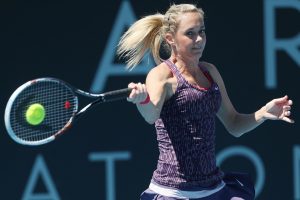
(59, 108)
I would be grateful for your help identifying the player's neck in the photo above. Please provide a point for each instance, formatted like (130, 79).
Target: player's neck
(185, 66)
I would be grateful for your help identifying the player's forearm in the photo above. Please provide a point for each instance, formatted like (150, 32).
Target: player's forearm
(152, 108)
(243, 123)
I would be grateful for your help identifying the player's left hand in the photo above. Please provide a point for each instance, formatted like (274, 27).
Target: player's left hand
(279, 109)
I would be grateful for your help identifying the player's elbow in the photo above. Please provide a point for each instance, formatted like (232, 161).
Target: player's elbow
(235, 132)
(151, 114)
(231, 125)
(151, 119)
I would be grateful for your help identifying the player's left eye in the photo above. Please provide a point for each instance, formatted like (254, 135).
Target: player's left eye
(190, 33)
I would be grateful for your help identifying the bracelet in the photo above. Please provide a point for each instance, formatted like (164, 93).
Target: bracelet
(146, 101)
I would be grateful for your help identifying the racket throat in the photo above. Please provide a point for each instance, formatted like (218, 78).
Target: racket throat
(89, 106)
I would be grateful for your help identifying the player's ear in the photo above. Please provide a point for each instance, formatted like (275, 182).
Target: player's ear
(169, 39)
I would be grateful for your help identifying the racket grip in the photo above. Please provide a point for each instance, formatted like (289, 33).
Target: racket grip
(116, 94)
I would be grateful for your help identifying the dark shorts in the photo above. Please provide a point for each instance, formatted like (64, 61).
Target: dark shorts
(238, 185)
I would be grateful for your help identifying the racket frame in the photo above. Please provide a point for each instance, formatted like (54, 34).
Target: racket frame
(99, 98)
(11, 101)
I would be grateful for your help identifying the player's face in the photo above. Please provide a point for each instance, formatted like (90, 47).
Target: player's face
(190, 38)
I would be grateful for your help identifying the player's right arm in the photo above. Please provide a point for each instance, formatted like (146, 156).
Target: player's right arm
(157, 88)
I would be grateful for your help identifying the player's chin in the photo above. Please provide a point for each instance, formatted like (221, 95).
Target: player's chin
(197, 52)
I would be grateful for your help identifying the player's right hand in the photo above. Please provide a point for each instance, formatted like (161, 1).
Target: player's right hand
(138, 93)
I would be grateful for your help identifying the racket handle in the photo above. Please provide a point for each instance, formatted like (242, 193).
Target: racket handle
(116, 94)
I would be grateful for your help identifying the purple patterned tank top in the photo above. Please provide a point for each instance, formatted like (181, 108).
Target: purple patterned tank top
(186, 136)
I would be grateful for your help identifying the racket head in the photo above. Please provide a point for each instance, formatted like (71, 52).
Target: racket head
(60, 104)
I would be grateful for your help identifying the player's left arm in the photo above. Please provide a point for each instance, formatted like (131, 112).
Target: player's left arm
(238, 123)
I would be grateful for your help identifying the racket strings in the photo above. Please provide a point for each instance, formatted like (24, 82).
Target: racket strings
(59, 103)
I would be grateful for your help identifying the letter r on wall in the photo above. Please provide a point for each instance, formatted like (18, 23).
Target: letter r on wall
(272, 44)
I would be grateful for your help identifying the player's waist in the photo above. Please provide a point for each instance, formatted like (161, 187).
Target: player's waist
(177, 193)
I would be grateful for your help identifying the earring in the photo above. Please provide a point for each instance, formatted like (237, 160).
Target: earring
(174, 60)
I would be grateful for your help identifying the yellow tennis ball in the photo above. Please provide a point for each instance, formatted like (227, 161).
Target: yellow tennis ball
(35, 114)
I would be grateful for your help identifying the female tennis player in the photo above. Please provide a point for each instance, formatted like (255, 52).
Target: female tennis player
(182, 96)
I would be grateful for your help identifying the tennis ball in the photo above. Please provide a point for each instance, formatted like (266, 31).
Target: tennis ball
(35, 114)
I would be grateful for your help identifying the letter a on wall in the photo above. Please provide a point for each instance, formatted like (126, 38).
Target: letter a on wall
(107, 67)
(40, 169)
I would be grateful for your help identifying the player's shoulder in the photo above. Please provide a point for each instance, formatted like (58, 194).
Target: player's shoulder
(208, 66)
(161, 71)
(211, 68)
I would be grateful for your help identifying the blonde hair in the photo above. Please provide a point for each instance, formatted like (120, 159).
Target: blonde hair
(148, 34)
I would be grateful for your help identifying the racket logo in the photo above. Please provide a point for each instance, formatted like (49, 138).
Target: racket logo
(67, 105)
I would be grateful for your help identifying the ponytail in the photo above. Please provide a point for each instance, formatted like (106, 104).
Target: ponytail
(144, 34)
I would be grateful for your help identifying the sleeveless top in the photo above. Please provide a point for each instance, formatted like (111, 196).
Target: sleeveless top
(186, 136)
